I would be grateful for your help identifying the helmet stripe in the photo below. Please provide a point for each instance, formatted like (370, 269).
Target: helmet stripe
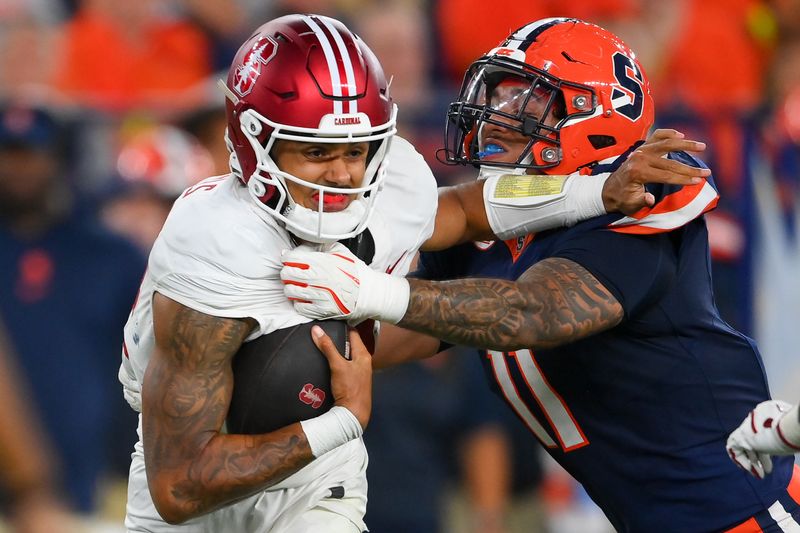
(348, 65)
(524, 36)
(330, 57)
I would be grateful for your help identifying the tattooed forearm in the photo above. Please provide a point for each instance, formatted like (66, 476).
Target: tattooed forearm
(555, 302)
(235, 466)
(192, 468)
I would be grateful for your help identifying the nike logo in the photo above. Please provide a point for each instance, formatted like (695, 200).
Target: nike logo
(390, 269)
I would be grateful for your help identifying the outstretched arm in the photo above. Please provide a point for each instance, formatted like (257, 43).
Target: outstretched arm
(470, 211)
(192, 468)
(556, 301)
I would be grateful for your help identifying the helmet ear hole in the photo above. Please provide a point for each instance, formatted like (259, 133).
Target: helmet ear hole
(601, 141)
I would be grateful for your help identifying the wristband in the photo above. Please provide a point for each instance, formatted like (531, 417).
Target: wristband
(330, 430)
(519, 205)
(584, 198)
(381, 296)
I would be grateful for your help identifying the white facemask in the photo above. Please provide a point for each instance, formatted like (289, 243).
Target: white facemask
(309, 224)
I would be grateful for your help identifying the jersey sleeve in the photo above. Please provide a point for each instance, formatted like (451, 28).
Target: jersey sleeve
(408, 202)
(223, 268)
(441, 265)
(675, 205)
(636, 269)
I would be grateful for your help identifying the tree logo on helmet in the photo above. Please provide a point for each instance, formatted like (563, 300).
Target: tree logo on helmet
(246, 74)
(628, 99)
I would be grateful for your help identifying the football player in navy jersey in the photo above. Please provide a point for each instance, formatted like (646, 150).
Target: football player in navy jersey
(603, 337)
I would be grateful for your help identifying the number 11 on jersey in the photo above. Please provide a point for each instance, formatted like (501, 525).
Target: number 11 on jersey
(569, 434)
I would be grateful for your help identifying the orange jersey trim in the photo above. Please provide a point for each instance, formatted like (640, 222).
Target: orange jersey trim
(671, 212)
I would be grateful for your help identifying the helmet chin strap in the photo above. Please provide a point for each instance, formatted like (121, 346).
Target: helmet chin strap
(335, 225)
(488, 171)
(233, 159)
(233, 163)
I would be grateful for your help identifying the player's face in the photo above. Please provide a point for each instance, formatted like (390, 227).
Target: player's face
(333, 165)
(501, 144)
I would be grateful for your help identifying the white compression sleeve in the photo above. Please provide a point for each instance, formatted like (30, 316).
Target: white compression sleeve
(517, 205)
(330, 430)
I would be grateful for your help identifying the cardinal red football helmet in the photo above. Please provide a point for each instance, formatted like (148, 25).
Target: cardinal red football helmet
(304, 78)
(575, 90)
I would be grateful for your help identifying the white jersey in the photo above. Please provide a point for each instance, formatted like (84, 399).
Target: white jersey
(220, 254)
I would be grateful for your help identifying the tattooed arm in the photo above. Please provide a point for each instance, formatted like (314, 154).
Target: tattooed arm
(554, 302)
(191, 467)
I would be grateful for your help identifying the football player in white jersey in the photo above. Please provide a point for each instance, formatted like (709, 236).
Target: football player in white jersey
(310, 125)
(311, 132)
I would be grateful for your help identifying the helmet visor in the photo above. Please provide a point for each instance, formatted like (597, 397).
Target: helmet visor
(525, 101)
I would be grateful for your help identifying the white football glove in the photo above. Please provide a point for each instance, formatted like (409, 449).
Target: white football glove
(337, 284)
(761, 435)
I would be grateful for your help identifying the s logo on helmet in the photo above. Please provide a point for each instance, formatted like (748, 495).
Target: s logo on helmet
(246, 74)
(628, 75)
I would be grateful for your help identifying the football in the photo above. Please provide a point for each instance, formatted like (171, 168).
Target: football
(282, 378)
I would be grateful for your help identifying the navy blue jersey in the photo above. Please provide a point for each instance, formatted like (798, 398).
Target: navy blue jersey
(638, 414)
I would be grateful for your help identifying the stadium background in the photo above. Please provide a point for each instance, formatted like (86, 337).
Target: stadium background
(132, 88)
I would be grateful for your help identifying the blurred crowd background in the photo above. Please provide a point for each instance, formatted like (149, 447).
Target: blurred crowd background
(109, 109)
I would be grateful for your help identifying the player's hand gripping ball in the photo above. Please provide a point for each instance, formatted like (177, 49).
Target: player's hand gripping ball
(282, 378)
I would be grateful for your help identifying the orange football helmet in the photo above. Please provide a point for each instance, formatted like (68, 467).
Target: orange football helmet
(574, 90)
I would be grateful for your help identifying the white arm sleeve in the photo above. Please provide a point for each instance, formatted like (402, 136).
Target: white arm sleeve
(517, 205)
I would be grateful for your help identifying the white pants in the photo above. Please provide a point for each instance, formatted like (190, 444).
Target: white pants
(302, 503)
(318, 520)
